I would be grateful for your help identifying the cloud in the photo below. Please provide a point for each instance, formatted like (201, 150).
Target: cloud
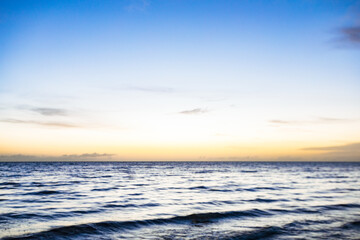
(280, 121)
(45, 111)
(349, 36)
(338, 153)
(194, 111)
(352, 147)
(50, 111)
(72, 157)
(47, 124)
(347, 152)
(230, 159)
(327, 119)
(319, 120)
(88, 155)
(18, 158)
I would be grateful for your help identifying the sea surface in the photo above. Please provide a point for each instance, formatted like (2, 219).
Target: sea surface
(179, 200)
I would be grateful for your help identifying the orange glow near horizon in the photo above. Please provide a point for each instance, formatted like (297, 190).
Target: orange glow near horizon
(207, 151)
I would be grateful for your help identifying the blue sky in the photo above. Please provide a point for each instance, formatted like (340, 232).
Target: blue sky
(215, 79)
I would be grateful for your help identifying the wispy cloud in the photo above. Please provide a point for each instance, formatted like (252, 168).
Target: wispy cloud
(281, 121)
(45, 111)
(19, 158)
(347, 152)
(349, 35)
(353, 147)
(88, 155)
(194, 111)
(34, 122)
(337, 153)
(319, 120)
(50, 111)
(71, 157)
(334, 120)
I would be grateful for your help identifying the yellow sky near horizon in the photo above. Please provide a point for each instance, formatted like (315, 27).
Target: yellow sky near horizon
(55, 142)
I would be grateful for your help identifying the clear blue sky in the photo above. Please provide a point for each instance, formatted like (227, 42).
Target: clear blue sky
(214, 79)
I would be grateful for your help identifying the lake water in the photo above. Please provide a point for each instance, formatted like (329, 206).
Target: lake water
(180, 200)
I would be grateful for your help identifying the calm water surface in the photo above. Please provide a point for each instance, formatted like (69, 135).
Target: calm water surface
(186, 200)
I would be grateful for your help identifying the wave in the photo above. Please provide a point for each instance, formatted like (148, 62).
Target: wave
(340, 206)
(266, 232)
(104, 189)
(19, 216)
(44, 216)
(192, 218)
(91, 230)
(111, 205)
(261, 233)
(106, 226)
(220, 190)
(351, 225)
(44, 192)
(266, 200)
(212, 216)
(6, 216)
(9, 185)
(210, 189)
(249, 171)
(256, 189)
(198, 187)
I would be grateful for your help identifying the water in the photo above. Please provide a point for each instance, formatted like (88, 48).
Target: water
(179, 200)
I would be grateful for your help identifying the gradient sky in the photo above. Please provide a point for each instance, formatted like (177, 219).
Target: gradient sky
(180, 79)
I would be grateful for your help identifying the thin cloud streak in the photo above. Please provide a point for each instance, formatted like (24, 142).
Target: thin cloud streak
(353, 147)
(347, 152)
(47, 124)
(320, 120)
(45, 111)
(71, 157)
(50, 111)
(281, 121)
(349, 36)
(88, 155)
(327, 119)
(194, 111)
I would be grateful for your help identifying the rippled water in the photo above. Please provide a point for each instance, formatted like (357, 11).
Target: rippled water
(180, 200)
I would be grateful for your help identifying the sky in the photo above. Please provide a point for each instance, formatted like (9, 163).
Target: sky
(180, 80)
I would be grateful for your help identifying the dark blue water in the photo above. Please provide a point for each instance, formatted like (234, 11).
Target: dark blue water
(169, 200)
